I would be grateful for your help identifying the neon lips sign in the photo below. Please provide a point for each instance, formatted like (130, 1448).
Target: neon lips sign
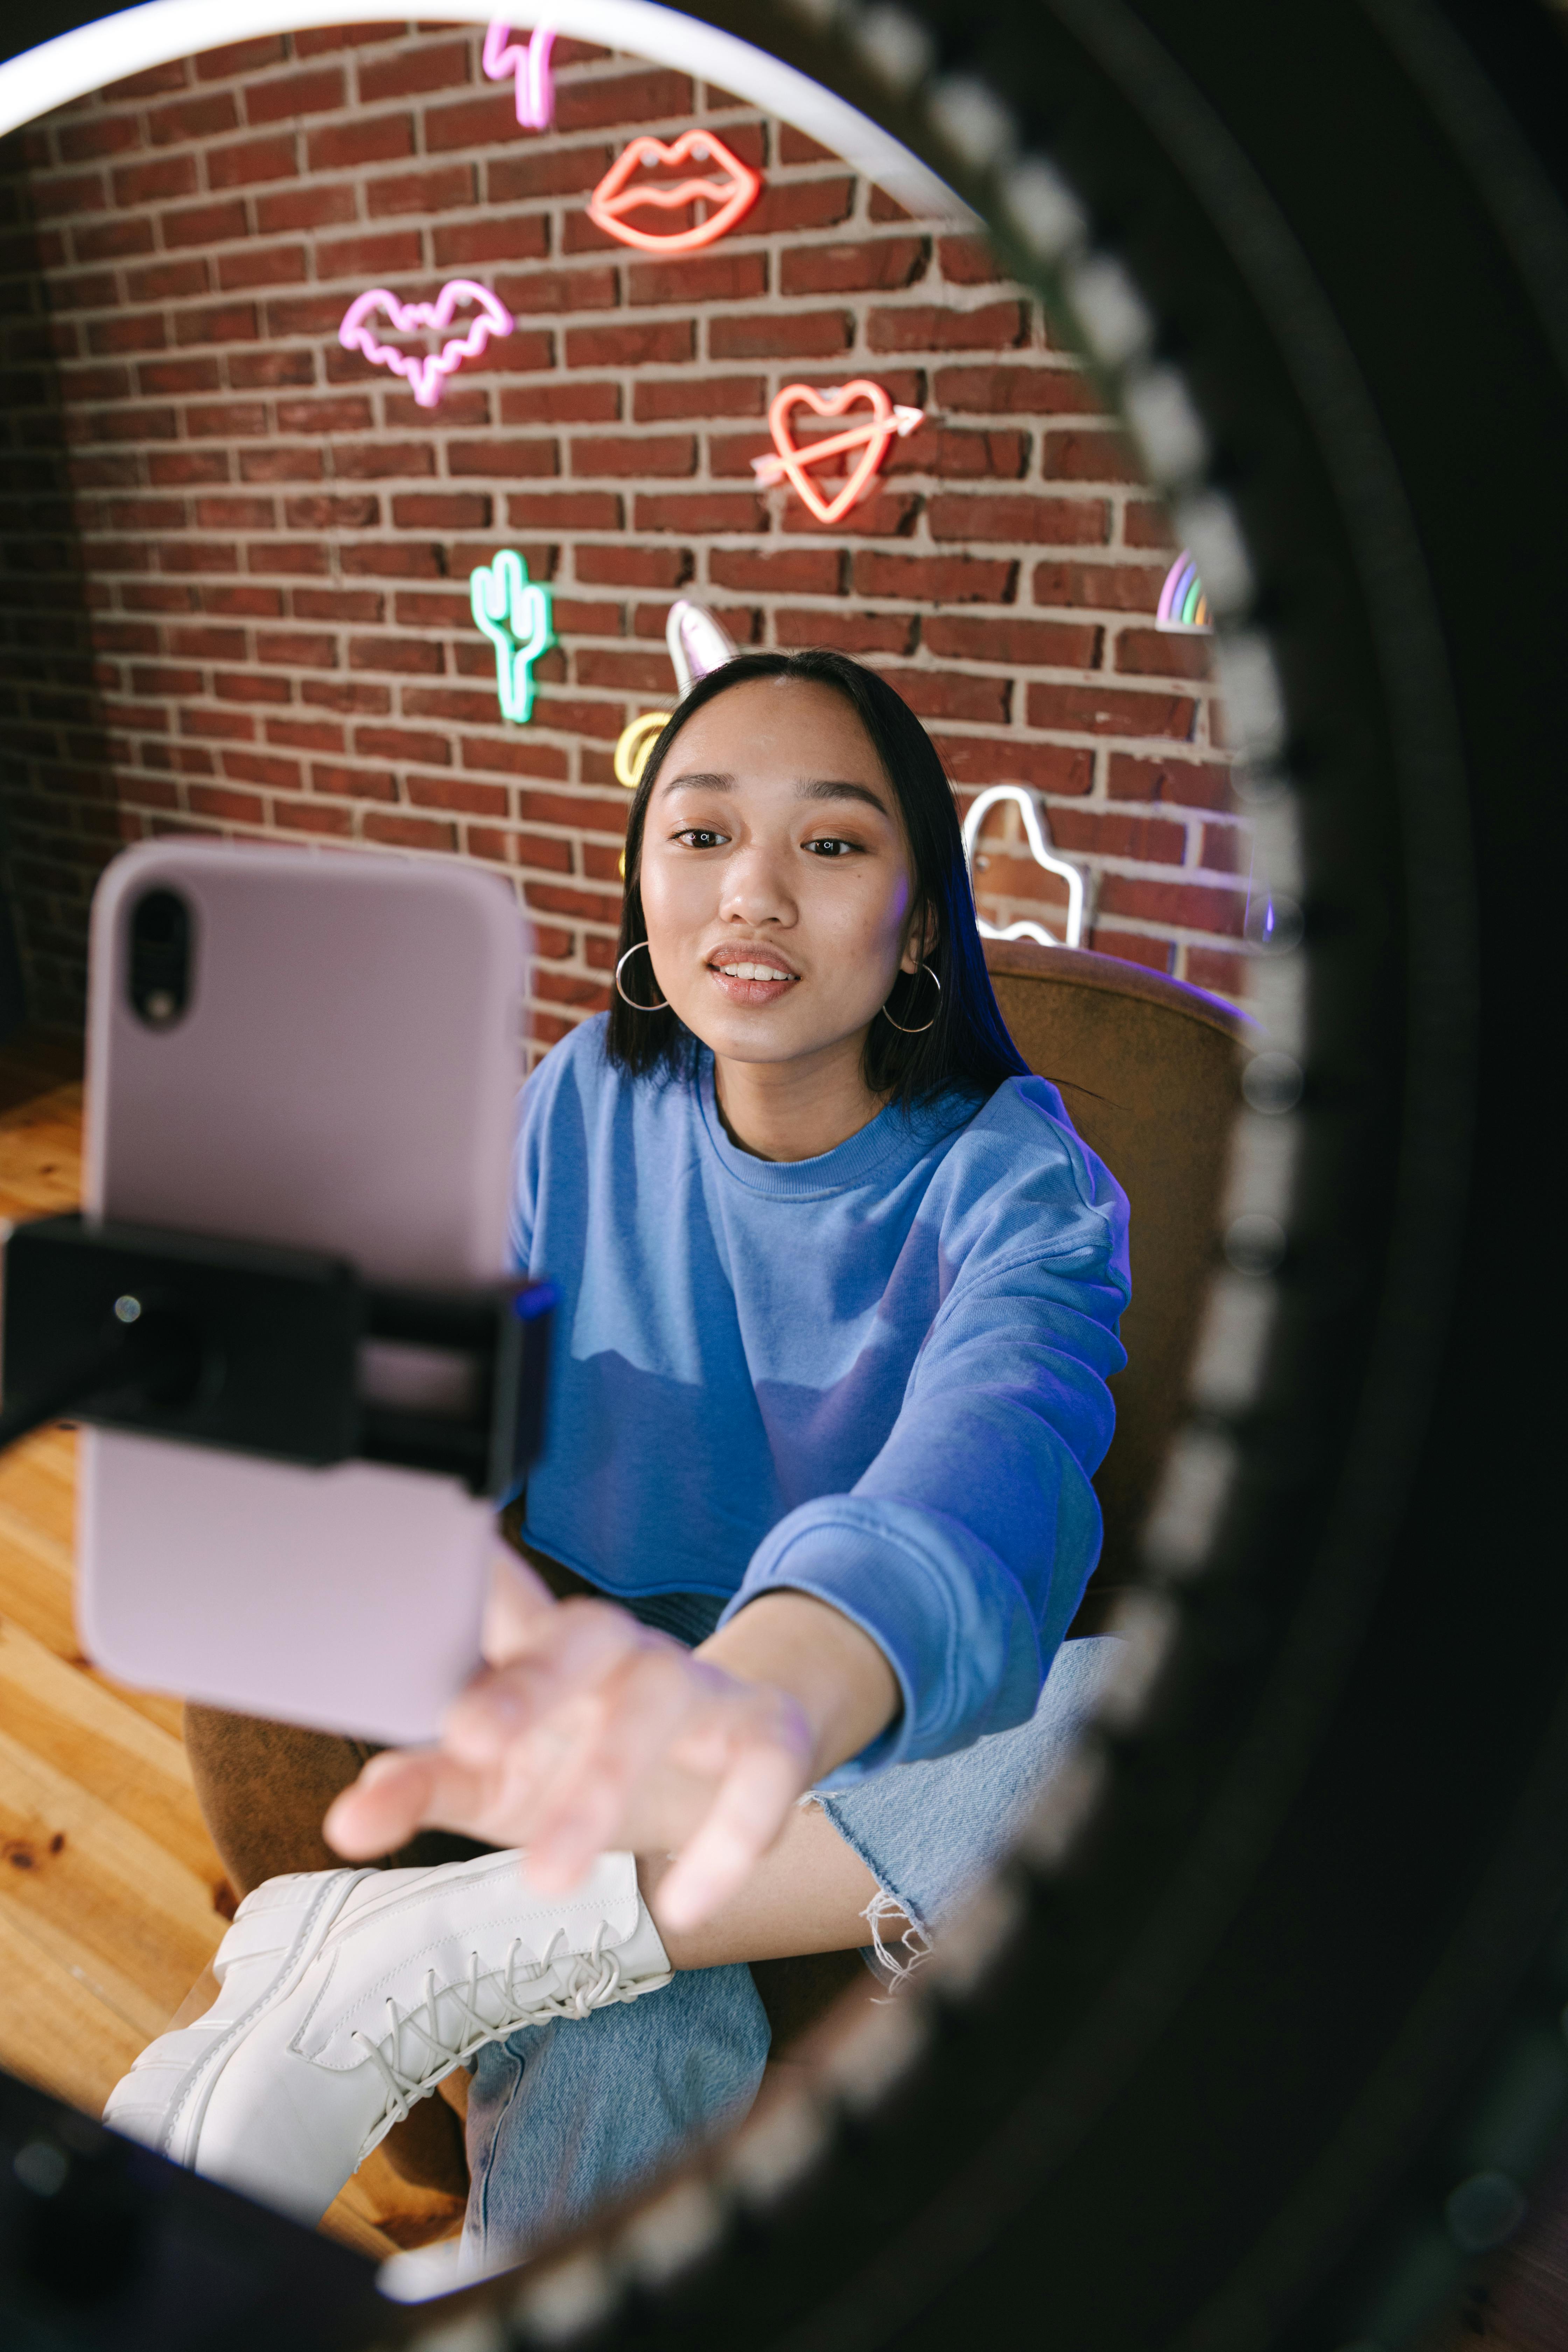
(733, 189)
(426, 371)
(873, 438)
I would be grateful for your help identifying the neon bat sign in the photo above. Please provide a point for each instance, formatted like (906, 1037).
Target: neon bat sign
(1039, 852)
(427, 372)
(735, 189)
(873, 439)
(514, 614)
(535, 83)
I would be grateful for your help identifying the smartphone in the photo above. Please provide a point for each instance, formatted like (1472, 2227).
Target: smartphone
(321, 1051)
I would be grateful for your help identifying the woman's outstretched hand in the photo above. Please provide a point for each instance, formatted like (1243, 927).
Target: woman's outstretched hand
(587, 1730)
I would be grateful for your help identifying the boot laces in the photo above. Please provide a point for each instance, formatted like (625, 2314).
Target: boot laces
(415, 2054)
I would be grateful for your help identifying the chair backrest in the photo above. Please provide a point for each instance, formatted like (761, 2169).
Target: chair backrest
(1150, 1072)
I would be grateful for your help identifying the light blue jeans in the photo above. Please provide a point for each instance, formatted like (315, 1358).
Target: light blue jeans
(566, 2116)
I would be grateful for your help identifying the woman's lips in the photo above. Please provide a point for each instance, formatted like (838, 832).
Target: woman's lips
(752, 979)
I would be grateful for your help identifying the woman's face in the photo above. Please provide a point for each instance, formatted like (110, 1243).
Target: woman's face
(776, 879)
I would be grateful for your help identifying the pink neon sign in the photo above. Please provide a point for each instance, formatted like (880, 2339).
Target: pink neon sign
(873, 439)
(733, 189)
(427, 372)
(531, 63)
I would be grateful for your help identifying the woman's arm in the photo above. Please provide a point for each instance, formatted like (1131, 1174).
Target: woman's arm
(587, 1731)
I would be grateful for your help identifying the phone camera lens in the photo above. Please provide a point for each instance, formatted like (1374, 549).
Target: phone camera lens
(160, 958)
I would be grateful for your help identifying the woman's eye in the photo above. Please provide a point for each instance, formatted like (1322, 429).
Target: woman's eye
(700, 837)
(831, 845)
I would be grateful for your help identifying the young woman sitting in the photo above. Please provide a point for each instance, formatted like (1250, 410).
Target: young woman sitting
(840, 1289)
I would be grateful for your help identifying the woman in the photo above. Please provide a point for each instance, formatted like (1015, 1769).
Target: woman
(840, 1293)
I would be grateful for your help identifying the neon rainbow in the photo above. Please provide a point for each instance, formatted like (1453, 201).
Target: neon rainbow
(1183, 605)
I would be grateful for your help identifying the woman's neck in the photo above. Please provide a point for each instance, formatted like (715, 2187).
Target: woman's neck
(797, 1109)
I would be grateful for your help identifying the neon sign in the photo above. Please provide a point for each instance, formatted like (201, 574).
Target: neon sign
(697, 642)
(427, 372)
(535, 84)
(873, 439)
(1039, 851)
(733, 189)
(515, 616)
(1183, 605)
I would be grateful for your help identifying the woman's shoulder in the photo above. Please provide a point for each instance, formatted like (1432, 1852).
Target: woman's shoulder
(1018, 1168)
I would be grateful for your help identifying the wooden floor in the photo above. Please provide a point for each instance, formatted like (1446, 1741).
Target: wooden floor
(112, 1899)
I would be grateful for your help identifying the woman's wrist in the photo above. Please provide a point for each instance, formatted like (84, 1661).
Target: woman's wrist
(836, 1676)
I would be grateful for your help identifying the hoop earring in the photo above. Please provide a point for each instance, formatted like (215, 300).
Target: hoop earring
(661, 1006)
(924, 1024)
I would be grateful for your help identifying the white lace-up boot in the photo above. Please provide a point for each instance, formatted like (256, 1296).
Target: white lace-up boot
(348, 1994)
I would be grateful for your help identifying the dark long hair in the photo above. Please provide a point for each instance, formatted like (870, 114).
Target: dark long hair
(967, 1046)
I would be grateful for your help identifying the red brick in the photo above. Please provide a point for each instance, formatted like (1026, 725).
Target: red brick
(1145, 523)
(583, 906)
(192, 118)
(264, 768)
(546, 170)
(264, 265)
(433, 65)
(352, 783)
(979, 759)
(1015, 391)
(410, 833)
(798, 147)
(969, 261)
(472, 122)
(304, 734)
(884, 207)
(129, 330)
(570, 988)
(1185, 783)
(647, 96)
(564, 511)
(441, 510)
(109, 240)
(624, 670)
(370, 461)
(219, 322)
(250, 686)
(133, 425)
(580, 812)
(104, 134)
(1132, 947)
(1225, 848)
(370, 256)
(781, 334)
(165, 280)
(662, 343)
(250, 160)
(311, 817)
(958, 514)
(297, 649)
(347, 36)
(347, 413)
(699, 278)
(502, 460)
(235, 514)
(534, 291)
(1111, 710)
(936, 580)
(162, 678)
(1164, 652)
(155, 79)
(634, 567)
(881, 264)
(219, 726)
(306, 314)
(302, 556)
(171, 468)
(234, 808)
(1195, 906)
(427, 608)
(657, 456)
(1210, 967)
(949, 694)
(204, 224)
(345, 694)
(423, 192)
(365, 139)
(1089, 456)
(459, 793)
(250, 600)
(516, 755)
(339, 605)
(734, 396)
(294, 94)
(561, 403)
(796, 204)
(850, 632)
(294, 208)
(1109, 834)
(1058, 644)
(399, 560)
(280, 465)
(698, 511)
(402, 744)
(408, 656)
(472, 245)
(230, 416)
(885, 514)
(268, 370)
(923, 327)
(960, 456)
(239, 57)
(1102, 587)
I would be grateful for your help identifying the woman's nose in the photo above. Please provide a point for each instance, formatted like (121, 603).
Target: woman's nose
(755, 890)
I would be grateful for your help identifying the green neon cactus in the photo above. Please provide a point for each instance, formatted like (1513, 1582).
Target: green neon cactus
(515, 617)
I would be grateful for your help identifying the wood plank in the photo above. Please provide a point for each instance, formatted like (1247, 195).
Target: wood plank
(55, 2030)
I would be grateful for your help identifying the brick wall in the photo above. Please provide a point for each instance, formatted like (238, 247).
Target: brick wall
(237, 556)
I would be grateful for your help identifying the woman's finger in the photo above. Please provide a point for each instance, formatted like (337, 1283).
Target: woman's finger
(590, 1803)
(753, 1803)
(574, 1647)
(400, 1791)
(518, 1600)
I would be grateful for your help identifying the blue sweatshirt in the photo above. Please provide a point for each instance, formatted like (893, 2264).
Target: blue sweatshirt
(877, 1376)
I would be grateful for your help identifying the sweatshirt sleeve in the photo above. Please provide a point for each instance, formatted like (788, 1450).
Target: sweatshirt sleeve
(964, 1548)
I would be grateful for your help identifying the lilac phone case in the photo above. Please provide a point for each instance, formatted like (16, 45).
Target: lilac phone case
(343, 1078)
